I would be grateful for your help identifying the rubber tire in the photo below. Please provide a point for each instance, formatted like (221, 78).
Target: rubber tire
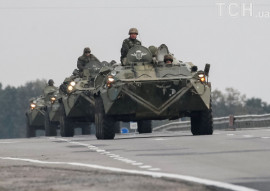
(66, 128)
(202, 122)
(145, 126)
(30, 130)
(105, 125)
(117, 127)
(50, 130)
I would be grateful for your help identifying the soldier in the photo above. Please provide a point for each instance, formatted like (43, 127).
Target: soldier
(153, 51)
(49, 89)
(85, 58)
(168, 59)
(129, 43)
(50, 82)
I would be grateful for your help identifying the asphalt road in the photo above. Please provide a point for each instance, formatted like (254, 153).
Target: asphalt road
(227, 160)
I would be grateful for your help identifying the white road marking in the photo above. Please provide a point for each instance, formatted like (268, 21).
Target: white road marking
(247, 136)
(265, 137)
(137, 163)
(154, 169)
(138, 172)
(145, 166)
(104, 152)
(100, 151)
(230, 134)
(160, 139)
(6, 142)
(114, 156)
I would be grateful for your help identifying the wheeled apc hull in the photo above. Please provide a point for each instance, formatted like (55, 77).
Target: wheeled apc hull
(35, 116)
(149, 89)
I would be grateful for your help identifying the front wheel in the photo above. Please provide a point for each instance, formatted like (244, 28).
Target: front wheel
(30, 130)
(145, 126)
(66, 128)
(202, 122)
(50, 130)
(105, 125)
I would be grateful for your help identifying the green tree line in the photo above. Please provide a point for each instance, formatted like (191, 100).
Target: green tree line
(232, 102)
(14, 102)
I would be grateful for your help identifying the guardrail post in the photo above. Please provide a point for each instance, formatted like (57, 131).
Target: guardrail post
(231, 122)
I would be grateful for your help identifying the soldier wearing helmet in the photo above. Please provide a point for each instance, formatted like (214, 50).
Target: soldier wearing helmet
(168, 59)
(49, 89)
(153, 51)
(85, 58)
(50, 82)
(129, 43)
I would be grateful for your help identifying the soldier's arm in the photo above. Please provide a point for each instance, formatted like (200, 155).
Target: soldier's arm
(80, 64)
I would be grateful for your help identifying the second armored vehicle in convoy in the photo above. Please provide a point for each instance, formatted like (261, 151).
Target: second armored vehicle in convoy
(77, 102)
(147, 88)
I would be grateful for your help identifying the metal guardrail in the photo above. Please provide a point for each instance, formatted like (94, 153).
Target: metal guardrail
(230, 122)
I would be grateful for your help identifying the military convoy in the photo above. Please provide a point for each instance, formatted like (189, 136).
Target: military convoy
(143, 88)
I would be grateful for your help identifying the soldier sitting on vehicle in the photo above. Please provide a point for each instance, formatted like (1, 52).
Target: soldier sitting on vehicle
(129, 43)
(153, 51)
(85, 58)
(49, 89)
(168, 59)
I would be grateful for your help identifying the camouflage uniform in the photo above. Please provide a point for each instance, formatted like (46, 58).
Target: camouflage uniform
(128, 44)
(49, 89)
(84, 59)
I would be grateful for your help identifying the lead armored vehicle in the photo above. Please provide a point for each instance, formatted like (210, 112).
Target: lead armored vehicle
(35, 116)
(146, 88)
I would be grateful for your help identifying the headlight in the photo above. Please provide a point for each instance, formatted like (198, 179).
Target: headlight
(32, 105)
(72, 83)
(53, 99)
(70, 88)
(110, 80)
(202, 77)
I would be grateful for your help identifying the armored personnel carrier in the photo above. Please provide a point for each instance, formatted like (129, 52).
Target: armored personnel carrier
(52, 110)
(35, 116)
(77, 101)
(146, 88)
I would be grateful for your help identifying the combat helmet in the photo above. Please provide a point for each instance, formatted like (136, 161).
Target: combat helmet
(168, 57)
(153, 50)
(87, 49)
(50, 82)
(133, 31)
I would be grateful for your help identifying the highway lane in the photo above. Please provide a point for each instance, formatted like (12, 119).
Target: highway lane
(236, 157)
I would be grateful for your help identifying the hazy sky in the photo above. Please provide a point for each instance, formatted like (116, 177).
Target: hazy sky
(44, 38)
